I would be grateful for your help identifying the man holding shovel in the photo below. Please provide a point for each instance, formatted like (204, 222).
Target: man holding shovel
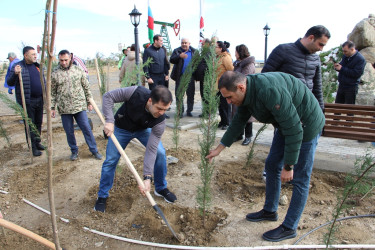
(29, 70)
(141, 116)
(284, 101)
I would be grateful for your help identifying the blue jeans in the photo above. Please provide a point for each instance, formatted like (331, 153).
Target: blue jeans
(301, 178)
(83, 123)
(113, 156)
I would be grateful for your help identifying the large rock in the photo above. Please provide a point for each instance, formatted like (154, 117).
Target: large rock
(366, 91)
(363, 34)
(369, 54)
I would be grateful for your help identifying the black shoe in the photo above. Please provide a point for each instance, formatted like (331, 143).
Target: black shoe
(280, 233)
(189, 114)
(74, 156)
(40, 146)
(168, 196)
(36, 152)
(96, 155)
(262, 215)
(246, 141)
(100, 204)
(224, 127)
(167, 116)
(169, 109)
(200, 116)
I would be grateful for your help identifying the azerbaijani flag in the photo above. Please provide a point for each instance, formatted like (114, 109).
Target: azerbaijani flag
(150, 24)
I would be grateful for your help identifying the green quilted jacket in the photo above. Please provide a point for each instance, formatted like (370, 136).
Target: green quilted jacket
(284, 101)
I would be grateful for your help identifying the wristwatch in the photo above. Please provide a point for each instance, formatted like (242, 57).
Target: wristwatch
(147, 177)
(288, 167)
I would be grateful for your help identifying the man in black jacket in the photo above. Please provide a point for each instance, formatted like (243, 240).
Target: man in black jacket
(350, 71)
(157, 72)
(32, 86)
(300, 59)
(181, 58)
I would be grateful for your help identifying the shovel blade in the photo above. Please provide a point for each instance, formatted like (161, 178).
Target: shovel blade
(158, 210)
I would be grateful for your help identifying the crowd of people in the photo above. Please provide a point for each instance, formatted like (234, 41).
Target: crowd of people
(287, 94)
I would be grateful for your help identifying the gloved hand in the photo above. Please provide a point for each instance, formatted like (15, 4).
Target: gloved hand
(10, 91)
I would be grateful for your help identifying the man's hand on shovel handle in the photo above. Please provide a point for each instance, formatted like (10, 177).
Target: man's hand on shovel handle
(109, 128)
(147, 187)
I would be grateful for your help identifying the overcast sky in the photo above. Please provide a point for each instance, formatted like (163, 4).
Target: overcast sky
(86, 27)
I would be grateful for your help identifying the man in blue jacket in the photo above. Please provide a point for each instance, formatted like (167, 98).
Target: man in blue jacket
(350, 71)
(181, 58)
(29, 70)
(12, 57)
(284, 101)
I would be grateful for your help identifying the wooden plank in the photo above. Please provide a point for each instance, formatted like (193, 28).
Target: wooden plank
(348, 129)
(351, 135)
(350, 124)
(349, 106)
(354, 118)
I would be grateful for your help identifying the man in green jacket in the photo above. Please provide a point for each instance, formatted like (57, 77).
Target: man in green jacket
(284, 101)
(70, 93)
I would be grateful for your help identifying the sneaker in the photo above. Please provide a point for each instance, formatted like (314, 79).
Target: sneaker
(36, 152)
(74, 156)
(280, 233)
(97, 156)
(40, 146)
(264, 176)
(189, 114)
(100, 204)
(168, 196)
(262, 215)
(246, 141)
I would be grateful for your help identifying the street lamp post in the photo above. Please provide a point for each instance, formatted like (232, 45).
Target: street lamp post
(266, 31)
(135, 17)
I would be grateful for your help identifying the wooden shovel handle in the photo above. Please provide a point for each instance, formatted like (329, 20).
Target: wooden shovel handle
(122, 152)
(26, 233)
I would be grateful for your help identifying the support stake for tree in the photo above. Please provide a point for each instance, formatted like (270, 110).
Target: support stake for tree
(98, 76)
(26, 118)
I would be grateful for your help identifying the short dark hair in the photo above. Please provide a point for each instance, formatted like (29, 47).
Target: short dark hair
(350, 44)
(230, 80)
(27, 49)
(161, 94)
(156, 37)
(242, 51)
(132, 48)
(223, 45)
(64, 52)
(318, 31)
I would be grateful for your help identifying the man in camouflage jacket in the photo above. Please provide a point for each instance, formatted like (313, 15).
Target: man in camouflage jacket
(70, 92)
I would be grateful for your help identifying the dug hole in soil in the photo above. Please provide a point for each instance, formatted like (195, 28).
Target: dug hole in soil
(236, 191)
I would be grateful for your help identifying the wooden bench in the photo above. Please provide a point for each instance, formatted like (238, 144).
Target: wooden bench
(348, 121)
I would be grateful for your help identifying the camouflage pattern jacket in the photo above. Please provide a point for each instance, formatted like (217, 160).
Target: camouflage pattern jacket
(70, 90)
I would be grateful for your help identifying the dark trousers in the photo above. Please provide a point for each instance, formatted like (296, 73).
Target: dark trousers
(249, 125)
(190, 91)
(346, 96)
(83, 123)
(159, 79)
(201, 90)
(224, 110)
(35, 113)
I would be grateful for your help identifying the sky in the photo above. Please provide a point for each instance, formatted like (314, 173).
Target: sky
(87, 27)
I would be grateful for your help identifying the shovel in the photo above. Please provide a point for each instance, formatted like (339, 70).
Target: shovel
(132, 169)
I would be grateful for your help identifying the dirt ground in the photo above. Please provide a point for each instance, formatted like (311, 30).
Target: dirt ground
(236, 191)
